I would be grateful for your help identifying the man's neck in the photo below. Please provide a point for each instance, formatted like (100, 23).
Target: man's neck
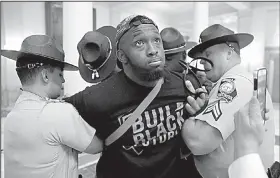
(136, 79)
(35, 89)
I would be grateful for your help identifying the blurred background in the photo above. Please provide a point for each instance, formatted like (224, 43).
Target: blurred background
(67, 22)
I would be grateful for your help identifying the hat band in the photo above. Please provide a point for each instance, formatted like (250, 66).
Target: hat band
(175, 49)
(30, 66)
(95, 73)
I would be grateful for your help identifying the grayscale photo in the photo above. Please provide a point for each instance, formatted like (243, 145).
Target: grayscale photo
(131, 89)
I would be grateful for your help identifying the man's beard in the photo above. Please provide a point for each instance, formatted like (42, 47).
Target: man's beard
(147, 75)
(151, 75)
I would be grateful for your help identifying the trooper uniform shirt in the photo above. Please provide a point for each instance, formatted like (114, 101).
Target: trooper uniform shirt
(232, 92)
(42, 138)
(151, 147)
(247, 166)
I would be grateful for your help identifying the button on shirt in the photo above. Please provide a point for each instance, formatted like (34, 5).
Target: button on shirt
(232, 92)
(42, 138)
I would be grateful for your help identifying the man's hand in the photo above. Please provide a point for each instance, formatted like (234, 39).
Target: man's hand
(195, 105)
(249, 129)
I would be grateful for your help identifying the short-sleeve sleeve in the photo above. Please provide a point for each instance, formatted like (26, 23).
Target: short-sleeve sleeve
(228, 97)
(247, 166)
(69, 127)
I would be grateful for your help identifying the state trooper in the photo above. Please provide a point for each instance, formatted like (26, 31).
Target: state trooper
(43, 135)
(209, 134)
(175, 48)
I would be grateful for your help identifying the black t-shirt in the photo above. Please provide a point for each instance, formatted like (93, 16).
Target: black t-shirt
(151, 147)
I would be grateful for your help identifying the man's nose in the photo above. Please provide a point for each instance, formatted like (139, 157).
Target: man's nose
(152, 50)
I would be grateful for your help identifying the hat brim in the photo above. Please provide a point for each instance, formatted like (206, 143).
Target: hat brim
(12, 54)
(109, 66)
(243, 39)
(188, 45)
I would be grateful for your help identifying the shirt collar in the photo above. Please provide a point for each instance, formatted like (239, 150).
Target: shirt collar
(26, 95)
(237, 69)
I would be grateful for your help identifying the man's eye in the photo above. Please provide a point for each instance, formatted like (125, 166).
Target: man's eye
(157, 40)
(139, 43)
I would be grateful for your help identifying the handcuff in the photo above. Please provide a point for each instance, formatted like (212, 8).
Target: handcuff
(189, 75)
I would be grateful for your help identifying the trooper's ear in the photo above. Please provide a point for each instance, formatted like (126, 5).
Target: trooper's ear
(44, 74)
(122, 56)
(230, 52)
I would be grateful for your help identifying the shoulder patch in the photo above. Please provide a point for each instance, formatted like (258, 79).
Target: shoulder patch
(215, 109)
(227, 90)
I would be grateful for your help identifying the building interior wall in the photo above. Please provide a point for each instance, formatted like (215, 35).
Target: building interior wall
(21, 19)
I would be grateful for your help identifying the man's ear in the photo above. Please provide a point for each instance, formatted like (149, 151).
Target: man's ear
(121, 56)
(44, 74)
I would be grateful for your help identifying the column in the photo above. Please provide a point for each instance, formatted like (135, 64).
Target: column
(115, 17)
(200, 19)
(244, 26)
(257, 47)
(77, 20)
(102, 15)
(272, 40)
(270, 75)
(29, 19)
(12, 16)
(258, 29)
(3, 37)
(4, 99)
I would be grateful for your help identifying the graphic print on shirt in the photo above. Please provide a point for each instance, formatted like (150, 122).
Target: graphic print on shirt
(227, 90)
(155, 126)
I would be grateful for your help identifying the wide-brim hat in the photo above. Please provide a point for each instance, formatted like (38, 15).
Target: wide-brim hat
(217, 34)
(174, 42)
(97, 50)
(188, 45)
(45, 48)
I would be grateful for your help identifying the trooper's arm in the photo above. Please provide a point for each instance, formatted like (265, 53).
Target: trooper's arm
(210, 135)
(200, 137)
(206, 131)
(72, 130)
(95, 146)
